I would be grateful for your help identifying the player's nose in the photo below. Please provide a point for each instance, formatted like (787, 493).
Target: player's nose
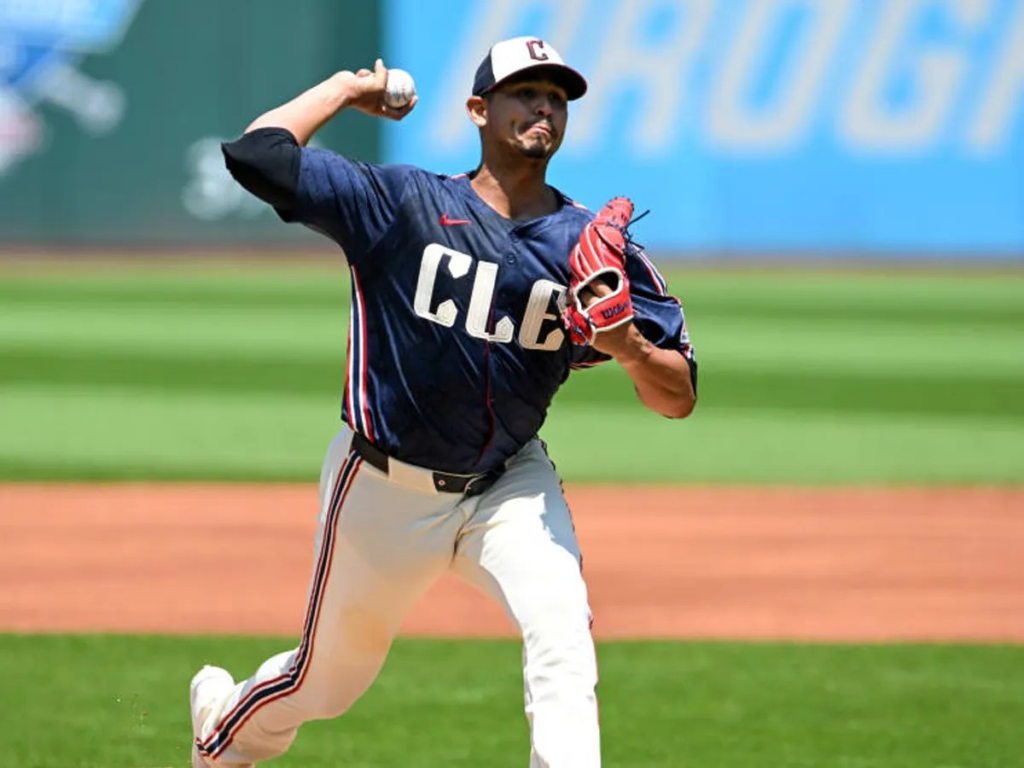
(544, 105)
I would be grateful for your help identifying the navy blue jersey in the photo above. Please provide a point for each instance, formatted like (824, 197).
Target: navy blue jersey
(455, 343)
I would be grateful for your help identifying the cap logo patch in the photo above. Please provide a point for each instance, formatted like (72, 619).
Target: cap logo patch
(536, 49)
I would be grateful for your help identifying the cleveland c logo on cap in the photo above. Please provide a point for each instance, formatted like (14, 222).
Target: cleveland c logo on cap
(533, 46)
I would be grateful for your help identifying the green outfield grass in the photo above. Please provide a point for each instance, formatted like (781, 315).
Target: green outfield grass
(235, 372)
(121, 702)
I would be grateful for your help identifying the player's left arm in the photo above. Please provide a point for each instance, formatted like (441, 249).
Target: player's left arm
(665, 378)
(619, 307)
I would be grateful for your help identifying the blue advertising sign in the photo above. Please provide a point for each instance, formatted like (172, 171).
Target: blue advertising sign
(757, 126)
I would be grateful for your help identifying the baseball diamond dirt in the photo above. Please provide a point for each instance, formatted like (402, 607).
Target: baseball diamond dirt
(812, 564)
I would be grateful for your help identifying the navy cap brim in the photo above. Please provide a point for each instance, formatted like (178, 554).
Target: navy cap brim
(568, 78)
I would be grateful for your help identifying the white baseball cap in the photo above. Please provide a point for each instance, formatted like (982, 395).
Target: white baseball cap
(510, 57)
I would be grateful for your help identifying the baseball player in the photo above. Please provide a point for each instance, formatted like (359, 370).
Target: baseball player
(473, 296)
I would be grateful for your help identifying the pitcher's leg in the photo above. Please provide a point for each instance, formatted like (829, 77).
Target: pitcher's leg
(520, 548)
(379, 548)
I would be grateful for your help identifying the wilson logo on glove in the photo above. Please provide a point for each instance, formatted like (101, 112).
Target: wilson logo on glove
(615, 311)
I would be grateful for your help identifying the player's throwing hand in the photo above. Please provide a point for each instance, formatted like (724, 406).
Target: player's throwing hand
(365, 90)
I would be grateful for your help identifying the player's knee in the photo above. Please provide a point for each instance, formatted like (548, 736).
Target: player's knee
(562, 613)
(327, 701)
(558, 648)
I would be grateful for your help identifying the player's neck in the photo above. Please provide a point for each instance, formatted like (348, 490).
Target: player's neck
(515, 193)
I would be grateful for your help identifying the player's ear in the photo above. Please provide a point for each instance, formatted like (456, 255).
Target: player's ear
(476, 108)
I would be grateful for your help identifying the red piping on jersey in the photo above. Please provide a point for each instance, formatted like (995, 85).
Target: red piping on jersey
(659, 282)
(348, 374)
(363, 367)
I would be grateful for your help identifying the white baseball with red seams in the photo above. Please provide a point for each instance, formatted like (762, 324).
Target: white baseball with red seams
(400, 88)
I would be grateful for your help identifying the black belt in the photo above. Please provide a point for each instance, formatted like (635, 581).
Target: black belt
(468, 485)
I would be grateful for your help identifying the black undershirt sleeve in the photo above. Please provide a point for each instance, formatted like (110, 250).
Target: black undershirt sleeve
(266, 162)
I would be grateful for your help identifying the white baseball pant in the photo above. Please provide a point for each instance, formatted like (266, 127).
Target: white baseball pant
(382, 540)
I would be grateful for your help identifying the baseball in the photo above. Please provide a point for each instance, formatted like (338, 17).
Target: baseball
(400, 88)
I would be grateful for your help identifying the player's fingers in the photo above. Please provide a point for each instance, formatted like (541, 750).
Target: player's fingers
(380, 72)
(363, 72)
(397, 113)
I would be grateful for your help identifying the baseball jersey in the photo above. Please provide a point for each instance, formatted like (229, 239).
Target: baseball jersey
(455, 345)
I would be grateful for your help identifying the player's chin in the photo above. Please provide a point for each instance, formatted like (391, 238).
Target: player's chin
(538, 148)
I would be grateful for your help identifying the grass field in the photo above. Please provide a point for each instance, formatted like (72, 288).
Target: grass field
(235, 372)
(116, 702)
(807, 377)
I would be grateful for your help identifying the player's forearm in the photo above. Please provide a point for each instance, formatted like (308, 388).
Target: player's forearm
(304, 115)
(662, 377)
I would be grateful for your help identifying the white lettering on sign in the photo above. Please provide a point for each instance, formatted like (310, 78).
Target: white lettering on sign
(867, 122)
(1001, 100)
(659, 72)
(895, 76)
(732, 122)
(211, 194)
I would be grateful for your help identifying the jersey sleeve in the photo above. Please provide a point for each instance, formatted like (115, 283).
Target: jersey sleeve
(585, 356)
(351, 202)
(657, 314)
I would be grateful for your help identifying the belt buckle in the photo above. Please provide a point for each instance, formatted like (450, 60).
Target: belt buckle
(481, 483)
(477, 485)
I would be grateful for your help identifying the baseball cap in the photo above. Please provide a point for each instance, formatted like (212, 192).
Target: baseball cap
(510, 57)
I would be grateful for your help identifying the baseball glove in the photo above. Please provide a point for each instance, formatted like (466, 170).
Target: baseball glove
(599, 255)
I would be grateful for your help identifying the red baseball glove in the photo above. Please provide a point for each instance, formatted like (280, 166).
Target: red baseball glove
(599, 255)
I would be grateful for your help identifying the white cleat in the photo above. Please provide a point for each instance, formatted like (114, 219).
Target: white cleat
(207, 692)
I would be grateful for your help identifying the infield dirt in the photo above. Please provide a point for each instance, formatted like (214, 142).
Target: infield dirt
(808, 564)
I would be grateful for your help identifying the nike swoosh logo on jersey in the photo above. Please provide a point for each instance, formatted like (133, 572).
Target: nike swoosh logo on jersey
(446, 222)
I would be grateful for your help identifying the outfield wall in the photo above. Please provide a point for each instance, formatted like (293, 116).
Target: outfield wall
(889, 128)
(112, 112)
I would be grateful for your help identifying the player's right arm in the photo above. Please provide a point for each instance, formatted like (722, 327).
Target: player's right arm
(351, 202)
(304, 115)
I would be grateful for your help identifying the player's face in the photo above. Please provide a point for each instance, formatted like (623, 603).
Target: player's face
(530, 116)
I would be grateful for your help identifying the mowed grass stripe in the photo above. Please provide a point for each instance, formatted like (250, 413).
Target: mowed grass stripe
(151, 331)
(870, 289)
(859, 348)
(203, 374)
(737, 342)
(784, 448)
(869, 285)
(958, 393)
(459, 704)
(182, 296)
(114, 434)
(811, 309)
(865, 295)
(111, 434)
